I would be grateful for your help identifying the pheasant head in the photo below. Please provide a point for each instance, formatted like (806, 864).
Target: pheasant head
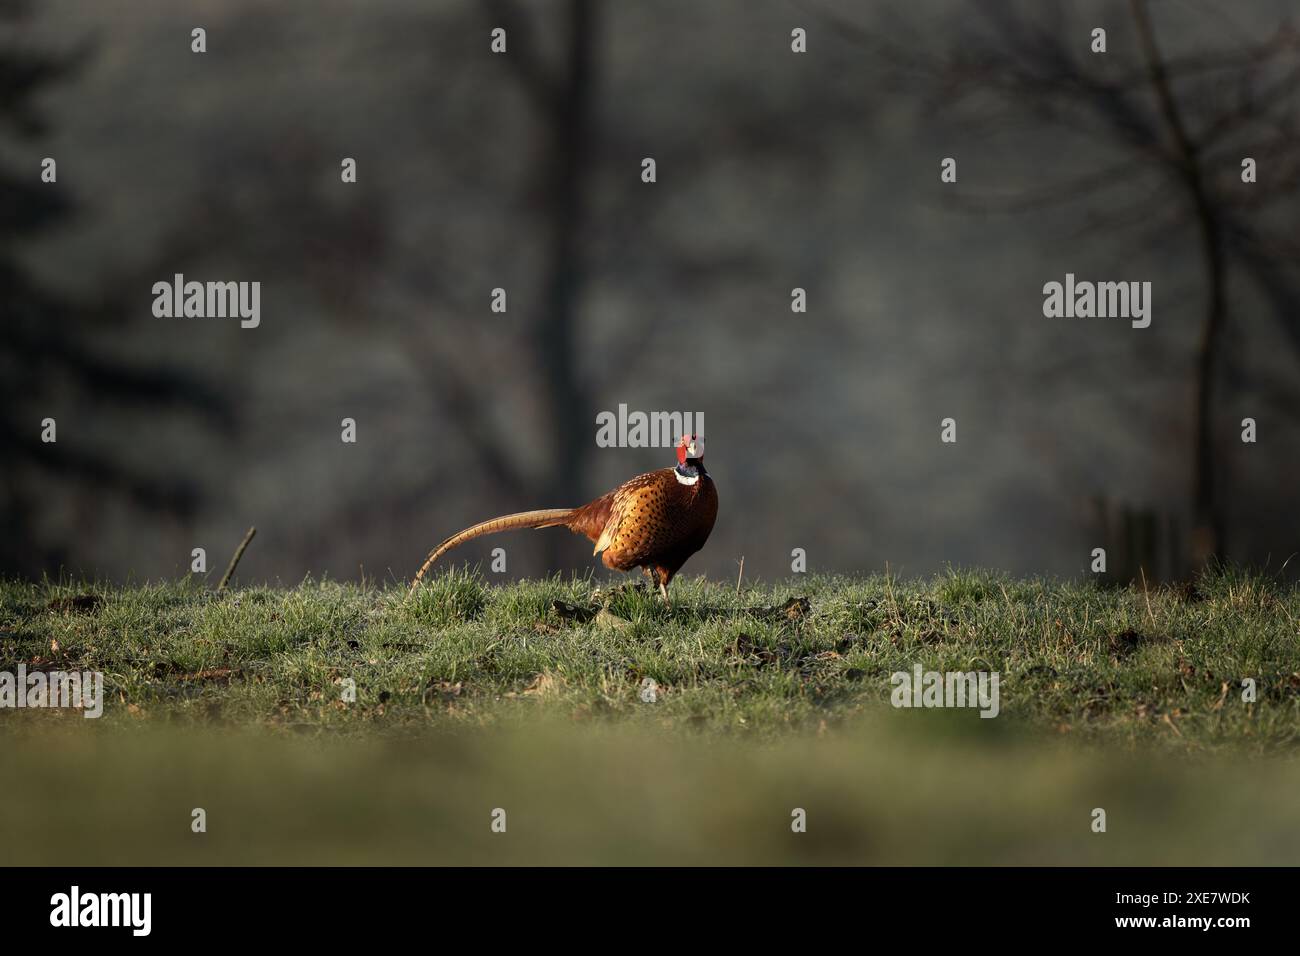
(690, 459)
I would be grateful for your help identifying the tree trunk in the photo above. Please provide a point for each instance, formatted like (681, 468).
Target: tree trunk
(1207, 539)
(555, 342)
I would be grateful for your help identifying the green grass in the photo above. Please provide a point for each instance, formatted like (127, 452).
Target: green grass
(1114, 666)
(528, 696)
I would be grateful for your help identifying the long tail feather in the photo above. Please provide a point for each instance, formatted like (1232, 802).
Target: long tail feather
(546, 518)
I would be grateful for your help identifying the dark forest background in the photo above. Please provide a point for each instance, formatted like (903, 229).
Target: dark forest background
(522, 171)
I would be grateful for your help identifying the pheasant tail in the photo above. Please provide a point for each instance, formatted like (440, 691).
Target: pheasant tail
(546, 518)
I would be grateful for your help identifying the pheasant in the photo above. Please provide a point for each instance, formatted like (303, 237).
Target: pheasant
(654, 521)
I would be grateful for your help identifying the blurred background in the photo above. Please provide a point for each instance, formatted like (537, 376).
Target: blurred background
(522, 171)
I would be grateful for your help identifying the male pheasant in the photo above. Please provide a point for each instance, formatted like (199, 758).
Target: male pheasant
(654, 521)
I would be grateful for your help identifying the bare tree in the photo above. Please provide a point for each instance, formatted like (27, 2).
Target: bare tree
(1179, 123)
(51, 353)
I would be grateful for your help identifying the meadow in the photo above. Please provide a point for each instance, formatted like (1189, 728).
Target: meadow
(344, 722)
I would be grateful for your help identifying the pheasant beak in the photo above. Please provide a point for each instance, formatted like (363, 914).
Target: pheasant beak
(692, 446)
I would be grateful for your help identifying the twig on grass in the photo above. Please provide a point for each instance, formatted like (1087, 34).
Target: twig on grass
(234, 561)
(1146, 595)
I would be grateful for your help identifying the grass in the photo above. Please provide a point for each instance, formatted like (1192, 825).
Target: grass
(1116, 666)
(531, 696)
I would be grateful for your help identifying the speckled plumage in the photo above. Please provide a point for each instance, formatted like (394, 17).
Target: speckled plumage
(652, 521)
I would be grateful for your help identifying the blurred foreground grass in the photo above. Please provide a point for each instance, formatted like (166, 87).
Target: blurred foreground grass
(529, 697)
(623, 796)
